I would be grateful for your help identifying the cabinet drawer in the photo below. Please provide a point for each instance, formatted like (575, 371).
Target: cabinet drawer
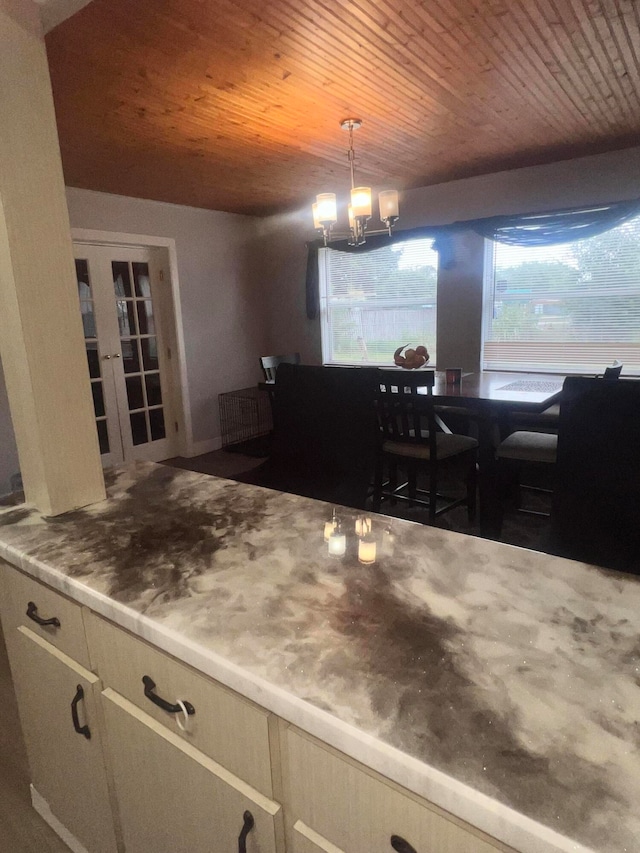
(336, 803)
(21, 594)
(224, 727)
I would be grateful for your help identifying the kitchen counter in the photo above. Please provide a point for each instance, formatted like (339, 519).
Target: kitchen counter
(499, 683)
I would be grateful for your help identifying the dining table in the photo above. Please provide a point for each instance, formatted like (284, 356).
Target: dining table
(489, 398)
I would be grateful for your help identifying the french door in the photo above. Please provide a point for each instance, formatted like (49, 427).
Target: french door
(119, 301)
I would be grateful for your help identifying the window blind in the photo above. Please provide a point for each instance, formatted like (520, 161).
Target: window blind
(375, 302)
(566, 308)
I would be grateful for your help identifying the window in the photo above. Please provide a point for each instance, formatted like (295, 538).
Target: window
(373, 302)
(573, 307)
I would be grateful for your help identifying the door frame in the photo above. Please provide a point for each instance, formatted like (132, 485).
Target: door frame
(172, 316)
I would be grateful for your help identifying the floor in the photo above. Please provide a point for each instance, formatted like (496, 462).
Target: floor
(21, 829)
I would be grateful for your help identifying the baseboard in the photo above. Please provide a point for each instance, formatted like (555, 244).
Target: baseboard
(197, 448)
(42, 807)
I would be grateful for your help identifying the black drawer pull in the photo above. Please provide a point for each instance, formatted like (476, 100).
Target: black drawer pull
(247, 826)
(82, 730)
(150, 686)
(32, 613)
(400, 845)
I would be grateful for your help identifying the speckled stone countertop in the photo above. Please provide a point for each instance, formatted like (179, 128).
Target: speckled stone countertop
(500, 683)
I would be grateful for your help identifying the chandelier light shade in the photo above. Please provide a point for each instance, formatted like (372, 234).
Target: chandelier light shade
(361, 201)
(326, 209)
(325, 213)
(389, 207)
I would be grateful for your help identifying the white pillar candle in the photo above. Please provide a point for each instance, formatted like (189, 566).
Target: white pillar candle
(337, 544)
(367, 550)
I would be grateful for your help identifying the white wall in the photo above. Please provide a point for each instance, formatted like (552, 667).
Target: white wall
(282, 282)
(601, 178)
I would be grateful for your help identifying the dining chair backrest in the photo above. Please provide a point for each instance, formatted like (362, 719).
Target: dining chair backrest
(270, 363)
(411, 443)
(325, 434)
(405, 413)
(324, 416)
(612, 372)
(595, 514)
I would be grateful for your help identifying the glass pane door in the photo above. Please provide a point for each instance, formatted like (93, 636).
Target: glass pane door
(102, 388)
(139, 347)
(123, 330)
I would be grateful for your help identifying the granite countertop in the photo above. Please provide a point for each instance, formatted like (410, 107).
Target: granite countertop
(500, 683)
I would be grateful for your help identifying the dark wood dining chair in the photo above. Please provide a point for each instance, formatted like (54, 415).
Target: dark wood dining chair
(595, 514)
(547, 421)
(533, 452)
(411, 443)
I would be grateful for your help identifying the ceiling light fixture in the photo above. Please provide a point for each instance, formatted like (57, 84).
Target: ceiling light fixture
(324, 208)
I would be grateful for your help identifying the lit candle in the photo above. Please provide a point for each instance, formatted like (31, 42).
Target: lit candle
(363, 525)
(337, 543)
(367, 550)
(329, 527)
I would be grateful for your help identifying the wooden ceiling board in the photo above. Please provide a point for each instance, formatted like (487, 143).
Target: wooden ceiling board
(235, 104)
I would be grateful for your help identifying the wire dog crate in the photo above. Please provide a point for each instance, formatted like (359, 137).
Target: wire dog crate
(245, 415)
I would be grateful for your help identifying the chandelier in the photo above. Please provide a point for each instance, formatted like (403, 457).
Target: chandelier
(324, 208)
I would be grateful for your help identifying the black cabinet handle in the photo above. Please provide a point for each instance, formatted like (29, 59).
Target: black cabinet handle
(32, 613)
(82, 730)
(247, 826)
(150, 686)
(400, 845)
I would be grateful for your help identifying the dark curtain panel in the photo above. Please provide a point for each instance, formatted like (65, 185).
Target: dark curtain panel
(313, 282)
(547, 229)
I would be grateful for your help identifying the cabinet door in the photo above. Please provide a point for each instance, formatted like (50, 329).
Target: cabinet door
(67, 768)
(173, 797)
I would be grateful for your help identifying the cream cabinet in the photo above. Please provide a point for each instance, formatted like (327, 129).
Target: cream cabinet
(59, 707)
(120, 769)
(48, 614)
(224, 726)
(338, 806)
(173, 797)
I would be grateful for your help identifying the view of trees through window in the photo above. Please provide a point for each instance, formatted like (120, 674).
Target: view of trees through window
(584, 295)
(373, 302)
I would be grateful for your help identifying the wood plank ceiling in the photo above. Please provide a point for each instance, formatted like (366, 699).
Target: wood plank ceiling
(235, 105)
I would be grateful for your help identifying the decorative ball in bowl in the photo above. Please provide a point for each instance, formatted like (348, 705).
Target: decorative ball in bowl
(412, 358)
